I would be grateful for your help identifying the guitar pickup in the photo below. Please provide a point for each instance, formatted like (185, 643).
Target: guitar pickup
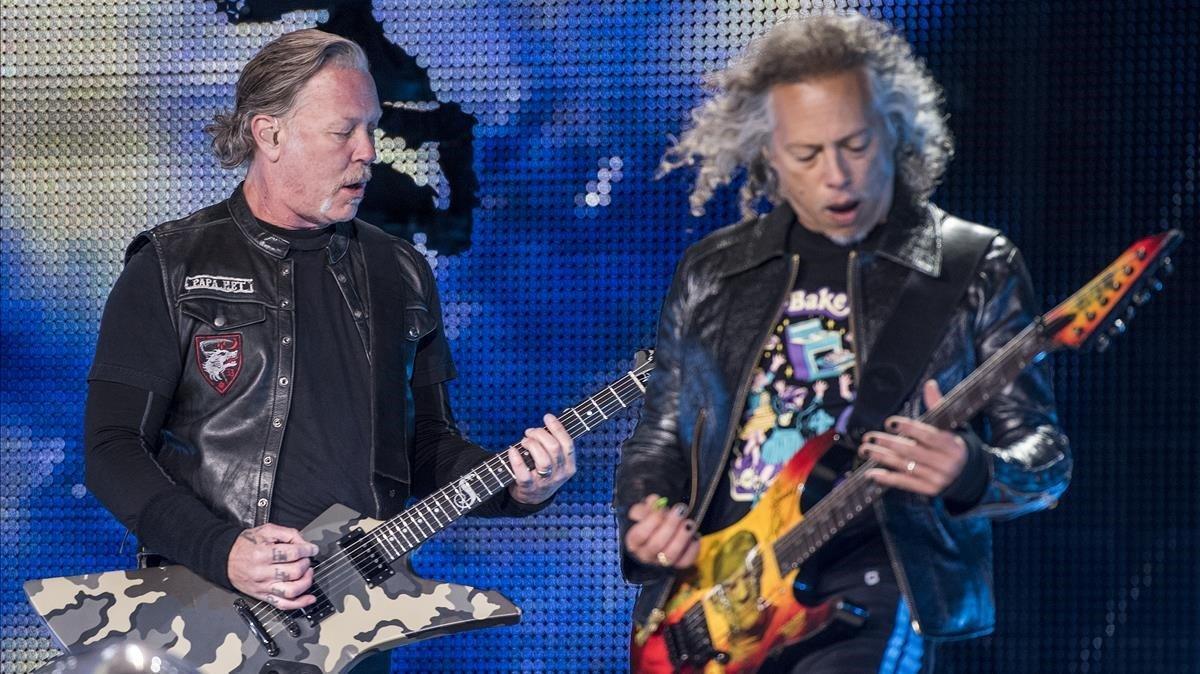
(316, 611)
(366, 557)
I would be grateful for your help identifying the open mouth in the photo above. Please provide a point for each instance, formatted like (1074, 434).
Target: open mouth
(844, 207)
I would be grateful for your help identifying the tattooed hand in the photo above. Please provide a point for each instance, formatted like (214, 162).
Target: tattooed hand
(553, 453)
(272, 563)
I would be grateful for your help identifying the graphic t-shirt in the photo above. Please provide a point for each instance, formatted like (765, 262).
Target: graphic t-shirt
(803, 384)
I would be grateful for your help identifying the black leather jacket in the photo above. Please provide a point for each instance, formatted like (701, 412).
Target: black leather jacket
(712, 326)
(229, 283)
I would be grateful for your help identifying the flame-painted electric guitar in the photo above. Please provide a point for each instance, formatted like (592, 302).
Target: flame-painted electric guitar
(736, 608)
(368, 597)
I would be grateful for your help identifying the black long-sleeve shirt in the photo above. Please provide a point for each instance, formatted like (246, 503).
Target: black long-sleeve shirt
(325, 455)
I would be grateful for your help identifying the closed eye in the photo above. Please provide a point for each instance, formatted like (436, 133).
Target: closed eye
(858, 142)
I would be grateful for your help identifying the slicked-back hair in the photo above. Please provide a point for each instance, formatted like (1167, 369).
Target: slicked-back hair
(732, 130)
(270, 82)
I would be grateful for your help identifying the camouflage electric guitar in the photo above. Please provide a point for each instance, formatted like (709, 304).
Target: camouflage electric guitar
(736, 608)
(368, 597)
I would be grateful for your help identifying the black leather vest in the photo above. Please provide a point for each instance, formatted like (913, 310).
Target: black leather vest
(230, 287)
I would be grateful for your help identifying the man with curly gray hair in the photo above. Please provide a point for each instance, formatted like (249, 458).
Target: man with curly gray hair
(800, 346)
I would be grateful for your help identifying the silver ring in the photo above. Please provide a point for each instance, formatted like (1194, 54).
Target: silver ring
(912, 465)
(544, 472)
(663, 559)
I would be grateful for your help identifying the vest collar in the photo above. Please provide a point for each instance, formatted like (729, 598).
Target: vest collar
(277, 246)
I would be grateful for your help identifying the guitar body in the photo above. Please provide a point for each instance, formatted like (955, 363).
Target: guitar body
(172, 610)
(736, 609)
(754, 616)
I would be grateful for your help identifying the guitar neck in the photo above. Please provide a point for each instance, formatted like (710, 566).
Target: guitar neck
(853, 497)
(404, 532)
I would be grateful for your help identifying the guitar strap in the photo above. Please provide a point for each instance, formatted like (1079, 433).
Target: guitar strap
(918, 323)
(903, 348)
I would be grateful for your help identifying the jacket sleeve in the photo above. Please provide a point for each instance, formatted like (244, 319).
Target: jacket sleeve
(1027, 456)
(652, 459)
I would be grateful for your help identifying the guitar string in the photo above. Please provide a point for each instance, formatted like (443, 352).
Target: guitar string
(998, 361)
(847, 489)
(336, 561)
(339, 571)
(332, 580)
(814, 515)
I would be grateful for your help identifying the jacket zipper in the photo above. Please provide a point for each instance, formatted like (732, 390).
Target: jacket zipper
(695, 484)
(657, 615)
(744, 387)
(859, 348)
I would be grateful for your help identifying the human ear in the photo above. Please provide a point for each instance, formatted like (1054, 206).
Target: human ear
(265, 131)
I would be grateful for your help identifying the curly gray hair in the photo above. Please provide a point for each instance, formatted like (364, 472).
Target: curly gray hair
(270, 82)
(732, 129)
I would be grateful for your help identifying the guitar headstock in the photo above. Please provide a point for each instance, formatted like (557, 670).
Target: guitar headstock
(643, 365)
(1101, 309)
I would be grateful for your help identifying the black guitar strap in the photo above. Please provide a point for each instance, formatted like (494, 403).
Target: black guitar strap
(917, 324)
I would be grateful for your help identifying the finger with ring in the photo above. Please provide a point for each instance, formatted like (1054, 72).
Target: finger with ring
(663, 559)
(912, 465)
(545, 472)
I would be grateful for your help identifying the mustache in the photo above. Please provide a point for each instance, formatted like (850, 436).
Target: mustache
(363, 177)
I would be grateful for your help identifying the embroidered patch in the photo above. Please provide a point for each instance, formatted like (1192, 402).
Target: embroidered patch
(220, 284)
(219, 358)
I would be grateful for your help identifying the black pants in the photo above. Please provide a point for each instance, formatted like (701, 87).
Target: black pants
(886, 642)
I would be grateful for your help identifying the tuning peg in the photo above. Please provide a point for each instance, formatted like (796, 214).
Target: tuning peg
(1168, 266)
(1141, 297)
(1102, 343)
(1130, 312)
(1117, 328)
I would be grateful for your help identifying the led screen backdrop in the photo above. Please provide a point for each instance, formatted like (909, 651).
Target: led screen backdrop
(518, 147)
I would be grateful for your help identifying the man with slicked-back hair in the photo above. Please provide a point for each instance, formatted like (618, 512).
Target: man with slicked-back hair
(271, 355)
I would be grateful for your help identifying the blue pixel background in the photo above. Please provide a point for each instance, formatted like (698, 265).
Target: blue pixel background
(1077, 129)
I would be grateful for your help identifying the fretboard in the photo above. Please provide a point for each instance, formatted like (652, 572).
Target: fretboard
(409, 529)
(853, 497)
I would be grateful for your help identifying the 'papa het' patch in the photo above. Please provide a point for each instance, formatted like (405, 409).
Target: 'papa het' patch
(220, 284)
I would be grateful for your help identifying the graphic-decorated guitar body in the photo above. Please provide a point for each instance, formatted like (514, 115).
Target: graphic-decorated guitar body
(736, 608)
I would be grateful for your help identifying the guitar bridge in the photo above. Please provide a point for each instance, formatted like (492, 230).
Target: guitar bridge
(366, 557)
(688, 641)
(256, 627)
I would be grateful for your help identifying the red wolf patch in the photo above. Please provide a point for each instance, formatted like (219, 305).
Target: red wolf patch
(219, 358)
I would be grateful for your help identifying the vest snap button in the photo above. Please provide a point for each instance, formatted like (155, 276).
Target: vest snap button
(285, 271)
(287, 340)
(284, 303)
(357, 313)
(413, 332)
(277, 422)
(268, 460)
(219, 321)
(283, 381)
(262, 503)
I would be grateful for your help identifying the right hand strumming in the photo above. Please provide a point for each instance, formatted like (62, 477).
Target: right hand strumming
(273, 563)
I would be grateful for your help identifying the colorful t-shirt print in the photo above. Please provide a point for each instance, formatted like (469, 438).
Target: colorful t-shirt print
(803, 385)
